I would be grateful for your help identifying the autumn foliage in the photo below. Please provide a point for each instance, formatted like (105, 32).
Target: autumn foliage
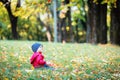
(71, 61)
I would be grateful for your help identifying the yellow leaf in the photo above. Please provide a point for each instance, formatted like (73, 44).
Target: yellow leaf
(67, 28)
(14, 79)
(32, 67)
(80, 33)
(62, 15)
(5, 79)
(1, 4)
(74, 23)
(18, 71)
(9, 26)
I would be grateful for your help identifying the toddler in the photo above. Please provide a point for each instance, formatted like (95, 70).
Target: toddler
(37, 59)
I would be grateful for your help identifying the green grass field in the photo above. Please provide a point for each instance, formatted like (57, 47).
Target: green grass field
(72, 61)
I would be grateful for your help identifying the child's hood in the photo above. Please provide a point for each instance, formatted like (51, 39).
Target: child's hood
(33, 57)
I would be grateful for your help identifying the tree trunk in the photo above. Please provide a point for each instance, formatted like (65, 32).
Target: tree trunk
(96, 27)
(68, 15)
(76, 35)
(115, 24)
(102, 30)
(67, 20)
(93, 22)
(13, 19)
(63, 30)
(47, 26)
(83, 22)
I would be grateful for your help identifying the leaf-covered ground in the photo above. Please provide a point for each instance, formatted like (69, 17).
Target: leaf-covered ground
(72, 61)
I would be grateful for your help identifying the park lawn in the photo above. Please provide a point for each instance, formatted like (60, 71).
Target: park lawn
(72, 61)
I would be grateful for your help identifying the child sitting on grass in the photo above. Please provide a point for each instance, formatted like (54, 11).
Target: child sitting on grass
(37, 59)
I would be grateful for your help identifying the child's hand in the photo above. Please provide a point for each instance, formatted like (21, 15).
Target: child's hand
(50, 64)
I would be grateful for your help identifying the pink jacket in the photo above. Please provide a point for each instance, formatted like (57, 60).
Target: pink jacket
(37, 60)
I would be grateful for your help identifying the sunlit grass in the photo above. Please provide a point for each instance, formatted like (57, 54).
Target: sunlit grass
(72, 61)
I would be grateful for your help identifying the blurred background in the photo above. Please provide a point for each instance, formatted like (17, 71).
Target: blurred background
(92, 21)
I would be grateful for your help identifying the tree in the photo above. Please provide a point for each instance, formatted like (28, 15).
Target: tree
(96, 26)
(115, 24)
(65, 22)
(13, 18)
(46, 25)
(102, 30)
(68, 15)
(62, 26)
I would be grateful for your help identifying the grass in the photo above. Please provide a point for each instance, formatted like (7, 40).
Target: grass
(72, 61)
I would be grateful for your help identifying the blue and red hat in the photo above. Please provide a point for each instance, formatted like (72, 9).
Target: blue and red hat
(35, 47)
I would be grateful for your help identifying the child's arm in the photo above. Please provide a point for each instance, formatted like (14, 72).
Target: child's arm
(41, 60)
